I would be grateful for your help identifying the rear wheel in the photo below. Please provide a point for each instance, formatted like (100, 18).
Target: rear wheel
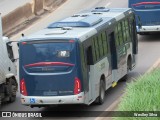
(100, 99)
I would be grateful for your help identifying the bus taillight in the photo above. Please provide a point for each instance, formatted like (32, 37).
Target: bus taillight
(77, 86)
(23, 89)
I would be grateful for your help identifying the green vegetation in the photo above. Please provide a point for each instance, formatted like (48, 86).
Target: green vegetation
(142, 95)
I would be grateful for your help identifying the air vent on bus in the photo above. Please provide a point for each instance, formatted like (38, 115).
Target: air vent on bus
(85, 15)
(57, 32)
(67, 28)
(80, 22)
(97, 13)
(75, 15)
(100, 9)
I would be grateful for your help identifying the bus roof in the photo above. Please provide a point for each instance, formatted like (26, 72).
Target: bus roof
(82, 25)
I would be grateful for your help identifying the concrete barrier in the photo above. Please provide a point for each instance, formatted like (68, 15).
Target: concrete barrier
(27, 12)
(17, 17)
(58, 2)
(52, 4)
(48, 3)
(38, 7)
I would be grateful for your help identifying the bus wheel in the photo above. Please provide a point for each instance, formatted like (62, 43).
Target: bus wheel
(12, 89)
(100, 99)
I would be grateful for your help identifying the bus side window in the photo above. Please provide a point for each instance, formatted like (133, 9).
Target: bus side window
(89, 56)
(105, 44)
(127, 29)
(131, 26)
(93, 50)
(100, 45)
(82, 58)
(124, 31)
(97, 48)
(117, 36)
(120, 33)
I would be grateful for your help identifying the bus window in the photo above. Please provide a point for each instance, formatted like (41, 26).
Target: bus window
(124, 31)
(105, 44)
(120, 33)
(100, 45)
(97, 48)
(93, 50)
(116, 36)
(89, 56)
(82, 58)
(127, 29)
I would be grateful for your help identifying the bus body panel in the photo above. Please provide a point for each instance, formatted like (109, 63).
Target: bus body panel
(53, 100)
(147, 15)
(45, 78)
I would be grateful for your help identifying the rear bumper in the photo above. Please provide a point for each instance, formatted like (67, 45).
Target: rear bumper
(155, 28)
(53, 100)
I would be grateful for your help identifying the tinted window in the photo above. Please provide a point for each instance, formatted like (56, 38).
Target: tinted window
(105, 44)
(48, 52)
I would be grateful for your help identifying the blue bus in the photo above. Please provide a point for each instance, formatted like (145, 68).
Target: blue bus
(147, 15)
(75, 60)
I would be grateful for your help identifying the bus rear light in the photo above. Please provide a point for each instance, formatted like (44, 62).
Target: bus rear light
(71, 41)
(24, 43)
(77, 86)
(146, 3)
(23, 89)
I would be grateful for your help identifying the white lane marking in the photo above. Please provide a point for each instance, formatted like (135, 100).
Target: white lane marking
(108, 4)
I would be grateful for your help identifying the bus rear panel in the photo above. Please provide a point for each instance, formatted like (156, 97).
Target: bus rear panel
(147, 15)
(48, 70)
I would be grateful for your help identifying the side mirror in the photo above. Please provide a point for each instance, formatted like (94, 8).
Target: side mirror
(15, 60)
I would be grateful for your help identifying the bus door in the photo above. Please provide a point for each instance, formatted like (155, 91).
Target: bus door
(113, 52)
(89, 71)
(121, 45)
(134, 38)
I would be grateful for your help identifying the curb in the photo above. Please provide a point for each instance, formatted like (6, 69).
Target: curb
(154, 66)
(114, 105)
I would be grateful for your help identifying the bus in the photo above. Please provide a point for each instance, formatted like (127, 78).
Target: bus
(75, 60)
(147, 15)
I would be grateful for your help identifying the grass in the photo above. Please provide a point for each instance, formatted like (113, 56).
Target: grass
(142, 95)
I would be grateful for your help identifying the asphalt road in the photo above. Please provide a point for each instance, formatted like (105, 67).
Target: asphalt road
(149, 47)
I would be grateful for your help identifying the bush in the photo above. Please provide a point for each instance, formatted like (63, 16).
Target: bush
(142, 95)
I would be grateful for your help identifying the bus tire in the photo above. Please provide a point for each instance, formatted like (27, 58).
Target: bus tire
(12, 89)
(100, 99)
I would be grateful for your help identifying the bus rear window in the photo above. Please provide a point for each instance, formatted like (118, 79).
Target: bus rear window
(48, 52)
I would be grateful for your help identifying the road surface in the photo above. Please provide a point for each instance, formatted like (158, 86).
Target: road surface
(149, 47)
